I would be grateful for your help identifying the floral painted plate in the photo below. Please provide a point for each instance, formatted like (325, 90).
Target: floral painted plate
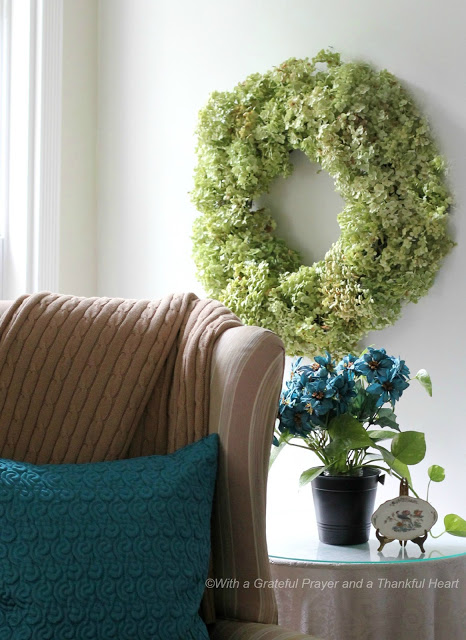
(404, 518)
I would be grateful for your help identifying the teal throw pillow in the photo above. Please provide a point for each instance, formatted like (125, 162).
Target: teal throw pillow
(109, 550)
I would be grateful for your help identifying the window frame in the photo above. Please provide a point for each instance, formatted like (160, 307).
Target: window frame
(5, 41)
(30, 178)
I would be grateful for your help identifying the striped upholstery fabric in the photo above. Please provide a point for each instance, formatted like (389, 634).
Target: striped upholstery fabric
(246, 376)
(229, 630)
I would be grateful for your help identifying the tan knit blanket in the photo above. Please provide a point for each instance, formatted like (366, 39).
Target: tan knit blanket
(91, 379)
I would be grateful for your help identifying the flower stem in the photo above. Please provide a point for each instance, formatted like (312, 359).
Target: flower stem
(300, 446)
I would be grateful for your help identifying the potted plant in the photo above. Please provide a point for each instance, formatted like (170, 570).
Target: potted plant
(344, 413)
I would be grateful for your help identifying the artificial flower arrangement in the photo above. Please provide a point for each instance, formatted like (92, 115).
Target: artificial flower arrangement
(344, 413)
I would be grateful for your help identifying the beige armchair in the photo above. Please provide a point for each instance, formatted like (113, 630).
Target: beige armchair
(246, 369)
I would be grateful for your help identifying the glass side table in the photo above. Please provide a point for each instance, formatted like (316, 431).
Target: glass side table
(358, 593)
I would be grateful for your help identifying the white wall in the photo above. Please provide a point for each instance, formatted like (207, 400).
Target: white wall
(78, 238)
(158, 62)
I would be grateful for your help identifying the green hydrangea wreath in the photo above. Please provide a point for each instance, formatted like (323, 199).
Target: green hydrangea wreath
(365, 130)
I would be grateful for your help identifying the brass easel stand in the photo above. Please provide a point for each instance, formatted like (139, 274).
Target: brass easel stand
(404, 491)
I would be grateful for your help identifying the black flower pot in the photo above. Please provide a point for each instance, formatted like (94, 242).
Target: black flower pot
(344, 505)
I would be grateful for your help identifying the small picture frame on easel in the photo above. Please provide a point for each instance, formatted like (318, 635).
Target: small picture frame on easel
(404, 518)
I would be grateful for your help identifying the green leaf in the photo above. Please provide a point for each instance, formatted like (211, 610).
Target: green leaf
(380, 434)
(424, 379)
(436, 473)
(372, 457)
(409, 447)
(366, 350)
(455, 525)
(284, 438)
(398, 467)
(336, 449)
(309, 475)
(363, 406)
(387, 418)
(357, 402)
(275, 451)
(348, 433)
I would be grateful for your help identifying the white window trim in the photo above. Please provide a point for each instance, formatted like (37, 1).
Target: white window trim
(47, 136)
(31, 248)
(5, 13)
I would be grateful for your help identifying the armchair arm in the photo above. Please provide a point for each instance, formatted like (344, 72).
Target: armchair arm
(232, 630)
(246, 378)
(4, 306)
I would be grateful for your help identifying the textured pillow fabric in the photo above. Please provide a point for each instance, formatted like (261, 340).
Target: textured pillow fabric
(108, 550)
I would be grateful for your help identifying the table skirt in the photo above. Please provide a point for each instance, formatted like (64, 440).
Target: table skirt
(396, 601)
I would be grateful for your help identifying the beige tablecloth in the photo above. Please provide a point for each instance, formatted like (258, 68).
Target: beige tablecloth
(423, 600)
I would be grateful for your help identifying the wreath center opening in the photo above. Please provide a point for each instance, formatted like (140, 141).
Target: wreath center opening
(305, 207)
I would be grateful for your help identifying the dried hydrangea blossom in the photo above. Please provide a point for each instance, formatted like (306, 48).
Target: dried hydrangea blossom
(366, 131)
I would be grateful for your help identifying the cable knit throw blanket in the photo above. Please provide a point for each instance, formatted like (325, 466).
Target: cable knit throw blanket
(91, 379)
